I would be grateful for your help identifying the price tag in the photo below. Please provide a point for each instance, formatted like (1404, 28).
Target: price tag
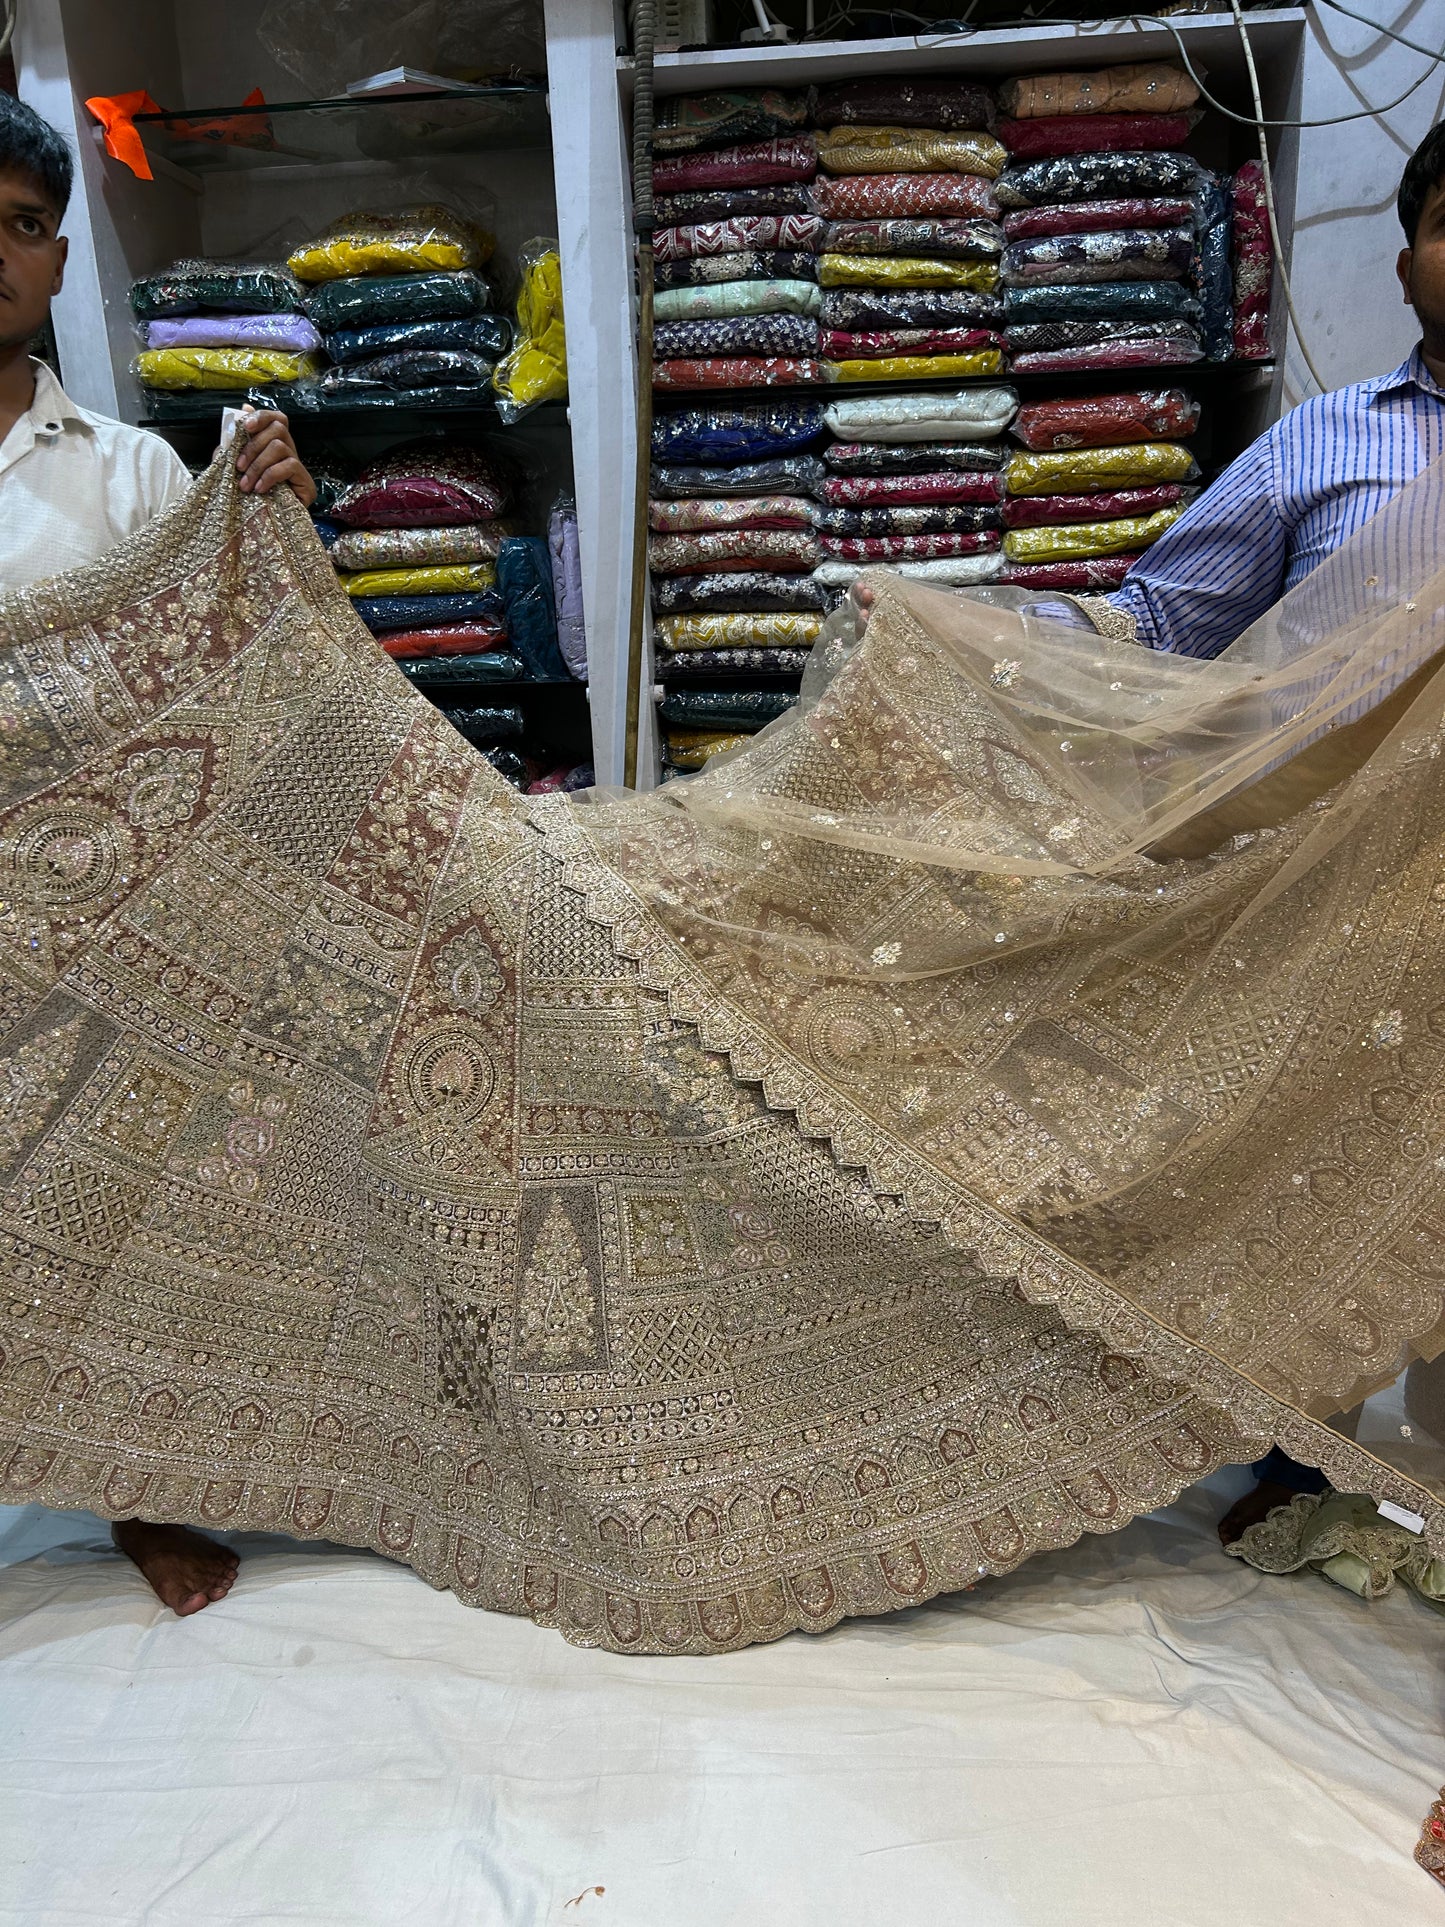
(1401, 1516)
(229, 418)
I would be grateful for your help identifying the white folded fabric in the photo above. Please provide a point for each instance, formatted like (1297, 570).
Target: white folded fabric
(957, 572)
(959, 415)
(712, 300)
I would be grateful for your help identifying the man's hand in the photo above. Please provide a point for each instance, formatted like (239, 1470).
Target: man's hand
(269, 457)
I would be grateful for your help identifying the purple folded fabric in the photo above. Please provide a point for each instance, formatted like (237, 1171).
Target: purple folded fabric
(562, 546)
(290, 334)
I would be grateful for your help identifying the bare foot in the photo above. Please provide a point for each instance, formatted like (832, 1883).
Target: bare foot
(184, 1569)
(1253, 1507)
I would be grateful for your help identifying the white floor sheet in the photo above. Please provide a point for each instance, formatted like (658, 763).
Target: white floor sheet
(1134, 1733)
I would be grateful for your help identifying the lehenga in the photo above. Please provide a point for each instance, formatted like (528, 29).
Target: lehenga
(1004, 1092)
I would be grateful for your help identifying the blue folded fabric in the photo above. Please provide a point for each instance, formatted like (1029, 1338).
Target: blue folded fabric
(524, 576)
(327, 531)
(1216, 271)
(749, 432)
(383, 612)
(1109, 300)
(740, 709)
(482, 334)
(444, 672)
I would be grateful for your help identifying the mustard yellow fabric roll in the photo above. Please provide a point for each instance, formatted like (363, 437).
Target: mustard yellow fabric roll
(536, 369)
(219, 367)
(905, 271)
(410, 242)
(456, 578)
(909, 150)
(1065, 540)
(691, 748)
(986, 361)
(1095, 470)
(773, 630)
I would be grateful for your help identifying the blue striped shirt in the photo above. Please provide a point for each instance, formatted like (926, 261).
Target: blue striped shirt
(1290, 500)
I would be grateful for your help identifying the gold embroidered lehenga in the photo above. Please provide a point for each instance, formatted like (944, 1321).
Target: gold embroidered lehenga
(691, 1217)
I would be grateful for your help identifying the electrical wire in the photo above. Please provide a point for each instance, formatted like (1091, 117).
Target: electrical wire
(7, 24)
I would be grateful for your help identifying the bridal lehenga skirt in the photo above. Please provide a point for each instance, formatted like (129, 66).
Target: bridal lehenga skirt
(950, 1125)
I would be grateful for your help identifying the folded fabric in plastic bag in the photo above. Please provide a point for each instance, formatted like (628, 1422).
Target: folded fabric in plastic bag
(687, 749)
(1121, 254)
(965, 240)
(1144, 87)
(288, 334)
(1092, 573)
(784, 475)
(232, 287)
(742, 593)
(916, 458)
(885, 197)
(959, 572)
(468, 639)
(524, 575)
(417, 548)
(735, 300)
(536, 369)
(739, 709)
(1097, 134)
(439, 578)
(687, 121)
(1036, 511)
(722, 203)
(741, 371)
(511, 767)
(381, 613)
(309, 397)
(941, 486)
(1128, 534)
(879, 344)
(328, 533)
(1099, 471)
(905, 271)
(754, 264)
(741, 430)
(910, 308)
(881, 101)
(927, 519)
(788, 157)
(743, 512)
(985, 362)
(1042, 337)
(707, 665)
(488, 335)
(965, 414)
(409, 242)
(435, 671)
(1097, 217)
(752, 630)
(718, 550)
(1175, 350)
(907, 548)
(1097, 177)
(1214, 271)
(410, 368)
(1093, 421)
(225, 368)
(905, 150)
(424, 484)
(565, 553)
(381, 300)
(790, 335)
(485, 725)
(1253, 264)
(1102, 301)
(799, 233)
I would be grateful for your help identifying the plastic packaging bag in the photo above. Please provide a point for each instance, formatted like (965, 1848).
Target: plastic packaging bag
(786, 474)
(942, 487)
(887, 197)
(425, 484)
(412, 241)
(688, 121)
(689, 749)
(755, 264)
(746, 631)
(741, 431)
(1098, 177)
(536, 369)
(382, 300)
(484, 334)
(1147, 87)
(790, 157)
(903, 150)
(793, 233)
(417, 548)
(1097, 217)
(745, 593)
(328, 533)
(1253, 264)
(1099, 471)
(410, 368)
(1097, 134)
(960, 572)
(985, 362)
(446, 673)
(511, 767)
(486, 725)
(1091, 574)
(465, 639)
(884, 309)
(1093, 421)
(739, 709)
(1035, 511)
(710, 665)
(963, 240)
(287, 334)
(312, 397)
(326, 43)
(966, 414)
(908, 548)
(719, 550)
(880, 344)
(916, 458)
(733, 299)
(441, 578)
(381, 613)
(905, 271)
(232, 287)
(1043, 337)
(775, 371)
(564, 552)
(722, 203)
(1215, 271)
(1175, 345)
(524, 574)
(223, 368)
(1070, 541)
(757, 334)
(926, 519)
(1103, 301)
(743, 512)
(1123, 254)
(955, 105)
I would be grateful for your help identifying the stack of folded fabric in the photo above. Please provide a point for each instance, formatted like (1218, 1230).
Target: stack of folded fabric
(1118, 246)
(736, 242)
(914, 481)
(214, 330)
(1253, 266)
(1097, 480)
(909, 261)
(733, 550)
(403, 311)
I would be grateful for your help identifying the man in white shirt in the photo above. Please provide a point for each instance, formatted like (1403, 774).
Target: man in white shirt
(72, 485)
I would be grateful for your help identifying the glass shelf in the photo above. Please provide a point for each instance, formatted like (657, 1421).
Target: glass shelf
(324, 133)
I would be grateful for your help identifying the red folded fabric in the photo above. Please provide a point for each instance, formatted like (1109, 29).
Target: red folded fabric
(457, 639)
(1032, 511)
(1054, 134)
(943, 485)
(754, 164)
(1103, 421)
(889, 197)
(840, 345)
(1090, 574)
(907, 548)
(739, 371)
(1094, 217)
(1171, 352)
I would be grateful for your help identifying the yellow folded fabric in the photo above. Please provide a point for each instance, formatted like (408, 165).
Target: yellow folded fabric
(219, 367)
(905, 271)
(536, 369)
(456, 578)
(1065, 540)
(984, 361)
(909, 150)
(411, 242)
(1077, 471)
(691, 748)
(771, 630)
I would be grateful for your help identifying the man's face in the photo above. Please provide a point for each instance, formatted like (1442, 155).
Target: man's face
(1421, 268)
(32, 258)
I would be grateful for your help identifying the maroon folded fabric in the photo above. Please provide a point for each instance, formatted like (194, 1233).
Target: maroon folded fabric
(755, 164)
(942, 485)
(958, 105)
(897, 197)
(906, 548)
(839, 344)
(1253, 265)
(1103, 421)
(1055, 134)
(1174, 351)
(1034, 511)
(1090, 573)
(740, 371)
(1095, 217)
